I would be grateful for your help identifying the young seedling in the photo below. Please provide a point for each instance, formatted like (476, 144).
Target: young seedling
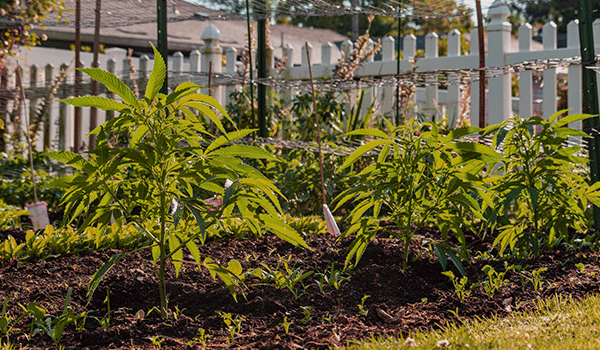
(333, 277)
(306, 312)
(234, 324)
(283, 276)
(362, 310)
(202, 337)
(51, 325)
(286, 325)
(156, 341)
(536, 278)
(494, 281)
(6, 321)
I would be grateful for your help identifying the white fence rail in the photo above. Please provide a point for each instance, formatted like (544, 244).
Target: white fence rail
(56, 131)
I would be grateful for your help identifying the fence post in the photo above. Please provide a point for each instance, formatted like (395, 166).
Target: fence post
(33, 71)
(574, 92)
(111, 66)
(388, 47)
(499, 107)
(288, 94)
(525, 77)
(474, 90)
(326, 54)
(177, 68)
(143, 70)
(549, 43)
(126, 72)
(410, 52)
(211, 52)
(453, 99)
(305, 57)
(144, 66)
(64, 115)
(231, 59)
(50, 125)
(431, 88)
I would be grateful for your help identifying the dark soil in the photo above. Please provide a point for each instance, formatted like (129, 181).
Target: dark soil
(399, 301)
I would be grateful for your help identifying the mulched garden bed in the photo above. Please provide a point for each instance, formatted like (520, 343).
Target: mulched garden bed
(399, 301)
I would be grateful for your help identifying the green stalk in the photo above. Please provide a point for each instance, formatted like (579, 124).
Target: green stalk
(407, 234)
(163, 258)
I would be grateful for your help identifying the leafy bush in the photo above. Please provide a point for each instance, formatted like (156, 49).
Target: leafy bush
(297, 174)
(179, 164)
(16, 187)
(240, 111)
(421, 177)
(10, 217)
(542, 183)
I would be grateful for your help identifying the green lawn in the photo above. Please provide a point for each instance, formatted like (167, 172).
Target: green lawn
(558, 323)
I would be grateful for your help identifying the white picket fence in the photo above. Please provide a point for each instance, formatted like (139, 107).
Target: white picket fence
(429, 100)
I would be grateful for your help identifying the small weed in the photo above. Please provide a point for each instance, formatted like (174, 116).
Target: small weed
(494, 281)
(454, 312)
(156, 340)
(6, 321)
(580, 267)
(362, 310)
(202, 337)
(283, 276)
(234, 324)
(52, 325)
(286, 325)
(333, 277)
(460, 285)
(306, 312)
(536, 278)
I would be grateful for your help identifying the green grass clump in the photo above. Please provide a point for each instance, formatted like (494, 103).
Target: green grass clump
(557, 323)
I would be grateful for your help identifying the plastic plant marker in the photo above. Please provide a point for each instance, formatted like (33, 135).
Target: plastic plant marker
(332, 226)
(39, 215)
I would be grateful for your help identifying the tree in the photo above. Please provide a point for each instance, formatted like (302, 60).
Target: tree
(384, 26)
(18, 18)
(539, 12)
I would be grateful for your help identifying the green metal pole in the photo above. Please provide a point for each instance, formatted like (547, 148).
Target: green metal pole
(161, 12)
(250, 64)
(398, 87)
(261, 55)
(590, 93)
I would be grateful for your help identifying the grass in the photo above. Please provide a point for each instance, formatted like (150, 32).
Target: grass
(557, 323)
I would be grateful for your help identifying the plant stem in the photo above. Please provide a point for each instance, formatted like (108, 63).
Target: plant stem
(163, 258)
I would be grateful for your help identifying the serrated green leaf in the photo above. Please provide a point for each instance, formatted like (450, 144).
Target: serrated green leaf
(227, 138)
(474, 147)
(568, 119)
(176, 253)
(101, 272)
(69, 158)
(114, 85)
(368, 132)
(103, 103)
(362, 150)
(242, 151)
(157, 77)
(460, 132)
(283, 230)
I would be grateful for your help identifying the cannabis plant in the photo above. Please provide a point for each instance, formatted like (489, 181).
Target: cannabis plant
(421, 178)
(178, 165)
(542, 183)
